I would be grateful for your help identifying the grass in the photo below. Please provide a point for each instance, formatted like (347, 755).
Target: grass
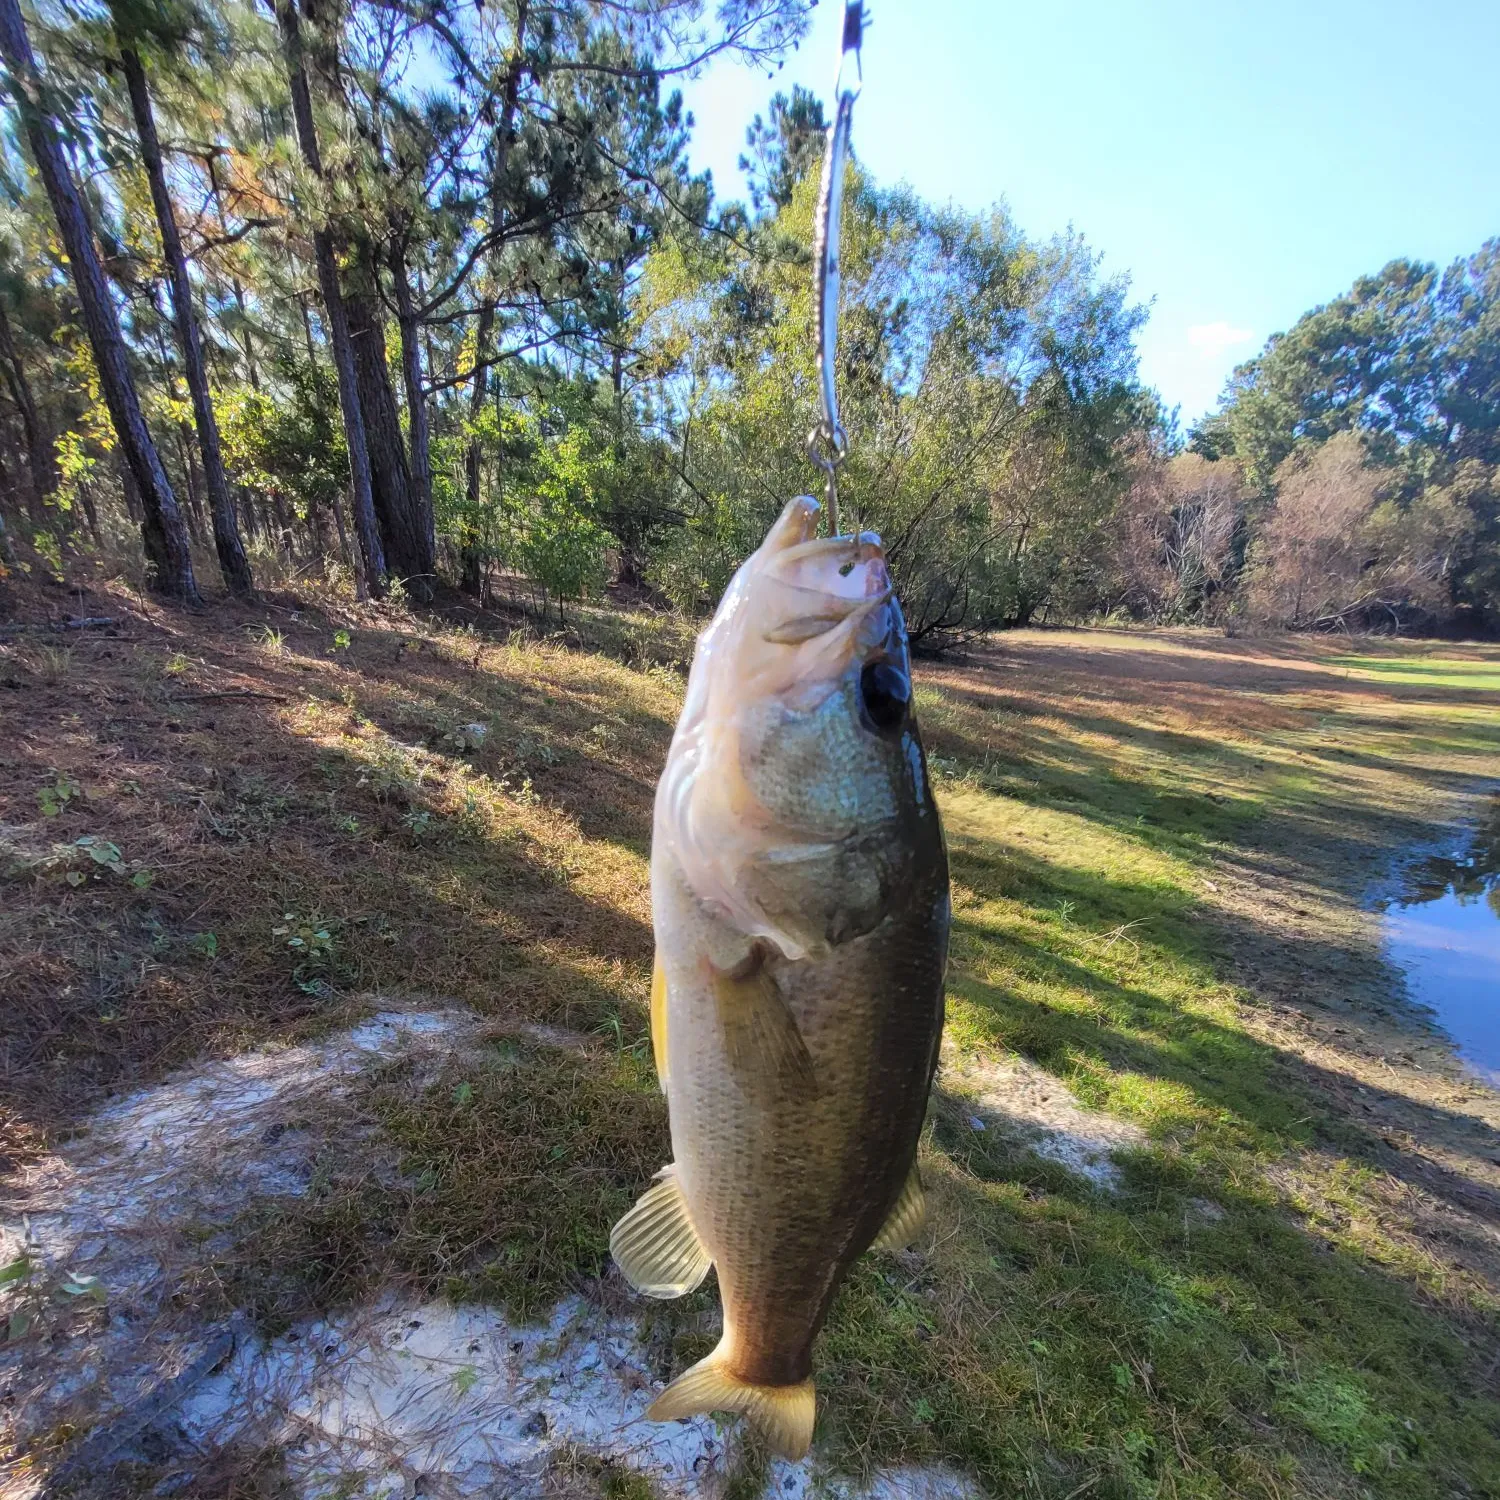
(509, 1160)
(1472, 674)
(1160, 848)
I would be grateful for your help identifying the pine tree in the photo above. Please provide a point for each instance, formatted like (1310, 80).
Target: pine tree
(163, 531)
(133, 26)
(371, 551)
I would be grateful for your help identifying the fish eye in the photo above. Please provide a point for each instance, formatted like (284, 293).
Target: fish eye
(885, 692)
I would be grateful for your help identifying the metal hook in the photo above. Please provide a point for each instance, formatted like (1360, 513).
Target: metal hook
(836, 445)
(829, 435)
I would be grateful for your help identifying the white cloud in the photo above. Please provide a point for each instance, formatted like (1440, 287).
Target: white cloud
(1214, 338)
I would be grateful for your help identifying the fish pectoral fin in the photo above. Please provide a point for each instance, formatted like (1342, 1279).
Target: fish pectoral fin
(659, 1020)
(761, 1035)
(906, 1218)
(655, 1244)
(803, 628)
(783, 1414)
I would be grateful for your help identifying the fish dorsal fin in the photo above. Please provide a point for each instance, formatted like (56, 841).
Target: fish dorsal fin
(761, 1036)
(659, 1020)
(783, 1414)
(906, 1218)
(655, 1244)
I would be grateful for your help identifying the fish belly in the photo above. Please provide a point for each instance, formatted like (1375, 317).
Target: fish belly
(786, 1183)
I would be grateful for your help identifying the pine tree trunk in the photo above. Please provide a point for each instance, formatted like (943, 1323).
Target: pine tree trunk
(474, 578)
(131, 493)
(7, 489)
(338, 525)
(408, 548)
(416, 402)
(162, 530)
(283, 528)
(39, 459)
(247, 514)
(474, 564)
(252, 371)
(231, 551)
(194, 507)
(90, 510)
(371, 552)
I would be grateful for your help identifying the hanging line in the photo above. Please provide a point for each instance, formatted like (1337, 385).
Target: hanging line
(828, 443)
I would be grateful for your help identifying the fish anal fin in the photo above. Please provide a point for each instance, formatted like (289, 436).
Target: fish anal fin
(761, 1036)
(659, 1020)
(783, 1414)
(655, 1244)
(906, 1219)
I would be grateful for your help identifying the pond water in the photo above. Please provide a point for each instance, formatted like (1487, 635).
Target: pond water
(1443, 929)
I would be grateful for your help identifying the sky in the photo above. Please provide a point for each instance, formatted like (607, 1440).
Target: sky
(1242, 162)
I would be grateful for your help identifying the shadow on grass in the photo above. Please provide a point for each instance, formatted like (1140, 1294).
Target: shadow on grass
(1184, 1336)
(1116, 1027)
(243, 826)
(1120, 790)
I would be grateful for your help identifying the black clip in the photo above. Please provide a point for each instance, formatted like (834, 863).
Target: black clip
(854, 24)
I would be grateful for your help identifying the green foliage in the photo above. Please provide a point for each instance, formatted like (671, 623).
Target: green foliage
(538, 513)
(555, 539)
(33, 1291)
(310, 943)
(102, 852)
(989, 383)
(290, 443)
(785, 148)
(1406, 367)
(53, 799)
(1407, 358)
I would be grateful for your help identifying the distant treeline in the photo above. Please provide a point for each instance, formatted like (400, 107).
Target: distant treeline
(421, 296)
(1351, 476)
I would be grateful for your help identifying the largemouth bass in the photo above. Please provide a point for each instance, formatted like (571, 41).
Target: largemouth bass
(800, 891)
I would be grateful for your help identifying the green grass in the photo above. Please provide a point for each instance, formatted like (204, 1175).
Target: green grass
(511, 1165)
(1428, 671)
(1255, 1312)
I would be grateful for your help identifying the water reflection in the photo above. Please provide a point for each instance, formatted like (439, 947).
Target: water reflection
(1444, 930)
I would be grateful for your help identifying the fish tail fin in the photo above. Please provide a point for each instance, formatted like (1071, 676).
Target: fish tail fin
(783, 1414)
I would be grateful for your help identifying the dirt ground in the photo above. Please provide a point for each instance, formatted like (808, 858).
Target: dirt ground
(1297, 914)
(229, 839)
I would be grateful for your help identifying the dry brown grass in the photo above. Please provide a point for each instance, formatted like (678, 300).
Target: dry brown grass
(309, 785)
(1161, 844)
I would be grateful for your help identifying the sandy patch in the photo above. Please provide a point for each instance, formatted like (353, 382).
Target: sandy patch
(1038, 1113)
(428, 1399)
(204, 1141)
(400, 1398)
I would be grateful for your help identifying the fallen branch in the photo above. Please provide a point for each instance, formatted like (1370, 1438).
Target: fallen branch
(90, 622)
(103, 1447)
(228, 693)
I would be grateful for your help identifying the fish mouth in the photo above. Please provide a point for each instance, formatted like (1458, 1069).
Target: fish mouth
(818, 584)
